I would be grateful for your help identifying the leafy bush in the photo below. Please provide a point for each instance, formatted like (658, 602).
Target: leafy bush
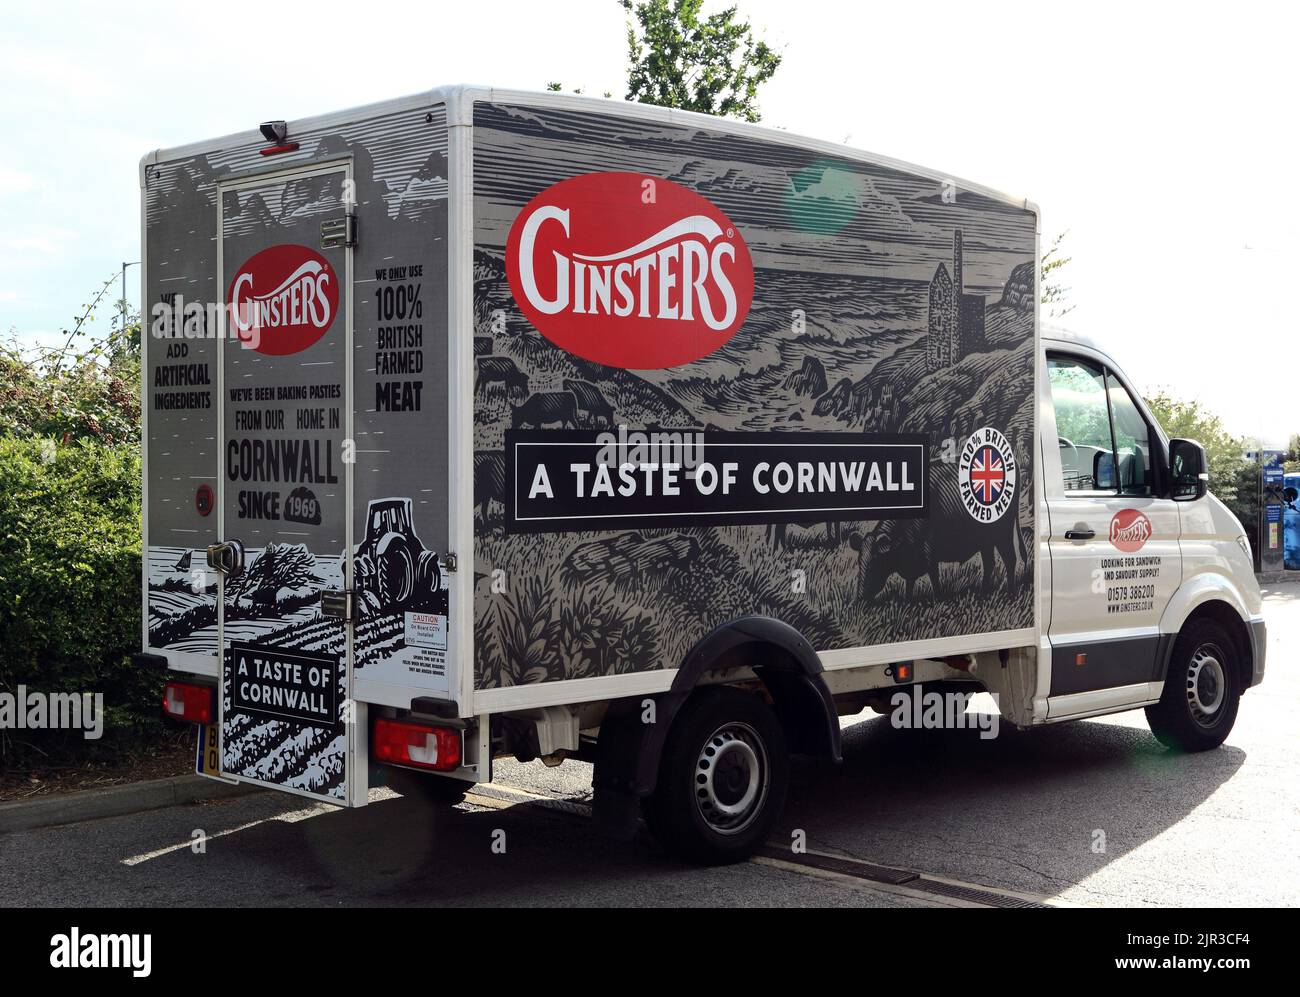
(91, 395)
(70, 588)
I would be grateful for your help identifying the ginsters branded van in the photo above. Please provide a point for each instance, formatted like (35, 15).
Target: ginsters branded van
(485, 423)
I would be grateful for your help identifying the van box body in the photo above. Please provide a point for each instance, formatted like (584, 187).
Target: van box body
(510, 400)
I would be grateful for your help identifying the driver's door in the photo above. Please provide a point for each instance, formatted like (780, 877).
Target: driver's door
(1114, 540)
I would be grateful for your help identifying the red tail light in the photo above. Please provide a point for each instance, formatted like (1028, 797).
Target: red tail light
(401, 743)
(187, 701)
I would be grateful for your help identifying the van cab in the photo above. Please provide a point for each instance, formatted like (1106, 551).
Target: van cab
(1149, 596)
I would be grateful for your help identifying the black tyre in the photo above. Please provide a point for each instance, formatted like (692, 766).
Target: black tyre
(722, 779)
(1202, 689)
(430, 789)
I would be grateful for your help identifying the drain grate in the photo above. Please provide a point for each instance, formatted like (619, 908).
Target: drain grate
(871, 873)
(974, 894)
(845, 867)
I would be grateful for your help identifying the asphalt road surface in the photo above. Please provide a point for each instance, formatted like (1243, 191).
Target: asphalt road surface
(1089, 813)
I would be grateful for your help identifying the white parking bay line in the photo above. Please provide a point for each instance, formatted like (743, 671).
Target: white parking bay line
(146, 856)
(291, 817)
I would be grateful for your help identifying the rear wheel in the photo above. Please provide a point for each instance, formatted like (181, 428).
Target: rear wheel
(433, 790)
(722, 779)
(1202, 688)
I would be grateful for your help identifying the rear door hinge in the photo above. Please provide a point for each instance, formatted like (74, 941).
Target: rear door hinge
(338, 603)
(449, 561)
(336, 233)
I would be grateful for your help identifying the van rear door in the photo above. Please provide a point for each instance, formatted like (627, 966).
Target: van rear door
(285, 270)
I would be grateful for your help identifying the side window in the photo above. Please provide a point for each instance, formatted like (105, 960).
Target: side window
(1082, 424)
(1132, 441)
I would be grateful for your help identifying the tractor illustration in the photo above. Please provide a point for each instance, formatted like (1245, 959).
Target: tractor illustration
(394, 570)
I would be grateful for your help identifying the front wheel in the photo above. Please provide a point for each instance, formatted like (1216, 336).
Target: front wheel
(722, 779)
(1202, 688)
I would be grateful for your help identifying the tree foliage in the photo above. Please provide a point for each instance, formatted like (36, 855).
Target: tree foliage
(1291, 456)
(679, 58)
(1190, 420)
(1233, 477)
(1055, 295)
(87, 389)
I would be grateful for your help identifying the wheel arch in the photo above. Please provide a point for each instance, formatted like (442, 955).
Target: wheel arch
(629, 750)
(1214, 606)
(789, 669)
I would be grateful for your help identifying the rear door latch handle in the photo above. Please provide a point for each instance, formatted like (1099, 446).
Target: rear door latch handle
(1080, 534)
(226, 558)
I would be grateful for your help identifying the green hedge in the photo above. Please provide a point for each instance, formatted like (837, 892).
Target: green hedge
(70, 590)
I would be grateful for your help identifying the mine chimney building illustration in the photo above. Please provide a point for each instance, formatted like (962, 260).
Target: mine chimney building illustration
(956, 318)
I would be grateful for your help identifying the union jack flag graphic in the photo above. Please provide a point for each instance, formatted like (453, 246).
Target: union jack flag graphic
(987, 475)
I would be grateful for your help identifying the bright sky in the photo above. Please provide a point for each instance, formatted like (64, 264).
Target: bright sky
(1161, 136)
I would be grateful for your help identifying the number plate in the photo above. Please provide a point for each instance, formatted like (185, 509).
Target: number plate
(207, 758)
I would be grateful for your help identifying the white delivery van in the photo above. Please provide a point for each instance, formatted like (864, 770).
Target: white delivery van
(485, 423)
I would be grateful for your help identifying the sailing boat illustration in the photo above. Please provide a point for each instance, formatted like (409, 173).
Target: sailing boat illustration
(184, 563)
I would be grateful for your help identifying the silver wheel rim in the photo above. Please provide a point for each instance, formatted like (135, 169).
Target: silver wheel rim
(731, 778)
(1206, 686)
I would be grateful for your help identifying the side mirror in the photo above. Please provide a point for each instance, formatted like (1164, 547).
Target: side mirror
(1188, 471)
(1103, 470)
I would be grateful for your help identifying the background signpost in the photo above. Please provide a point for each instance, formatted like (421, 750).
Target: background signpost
(1271, 505)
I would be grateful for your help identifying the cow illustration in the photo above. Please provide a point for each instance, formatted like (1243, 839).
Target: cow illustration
(777, 534)
(547, 410)
(911, 548)
(591, 403)
(503, 371)
(489, 481)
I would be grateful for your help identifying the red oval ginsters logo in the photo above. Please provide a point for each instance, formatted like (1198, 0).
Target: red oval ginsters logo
(1129, 530)
(283, 299)
(629, 271)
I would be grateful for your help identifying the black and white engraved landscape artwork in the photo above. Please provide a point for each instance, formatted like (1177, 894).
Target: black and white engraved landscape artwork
(884, 302)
